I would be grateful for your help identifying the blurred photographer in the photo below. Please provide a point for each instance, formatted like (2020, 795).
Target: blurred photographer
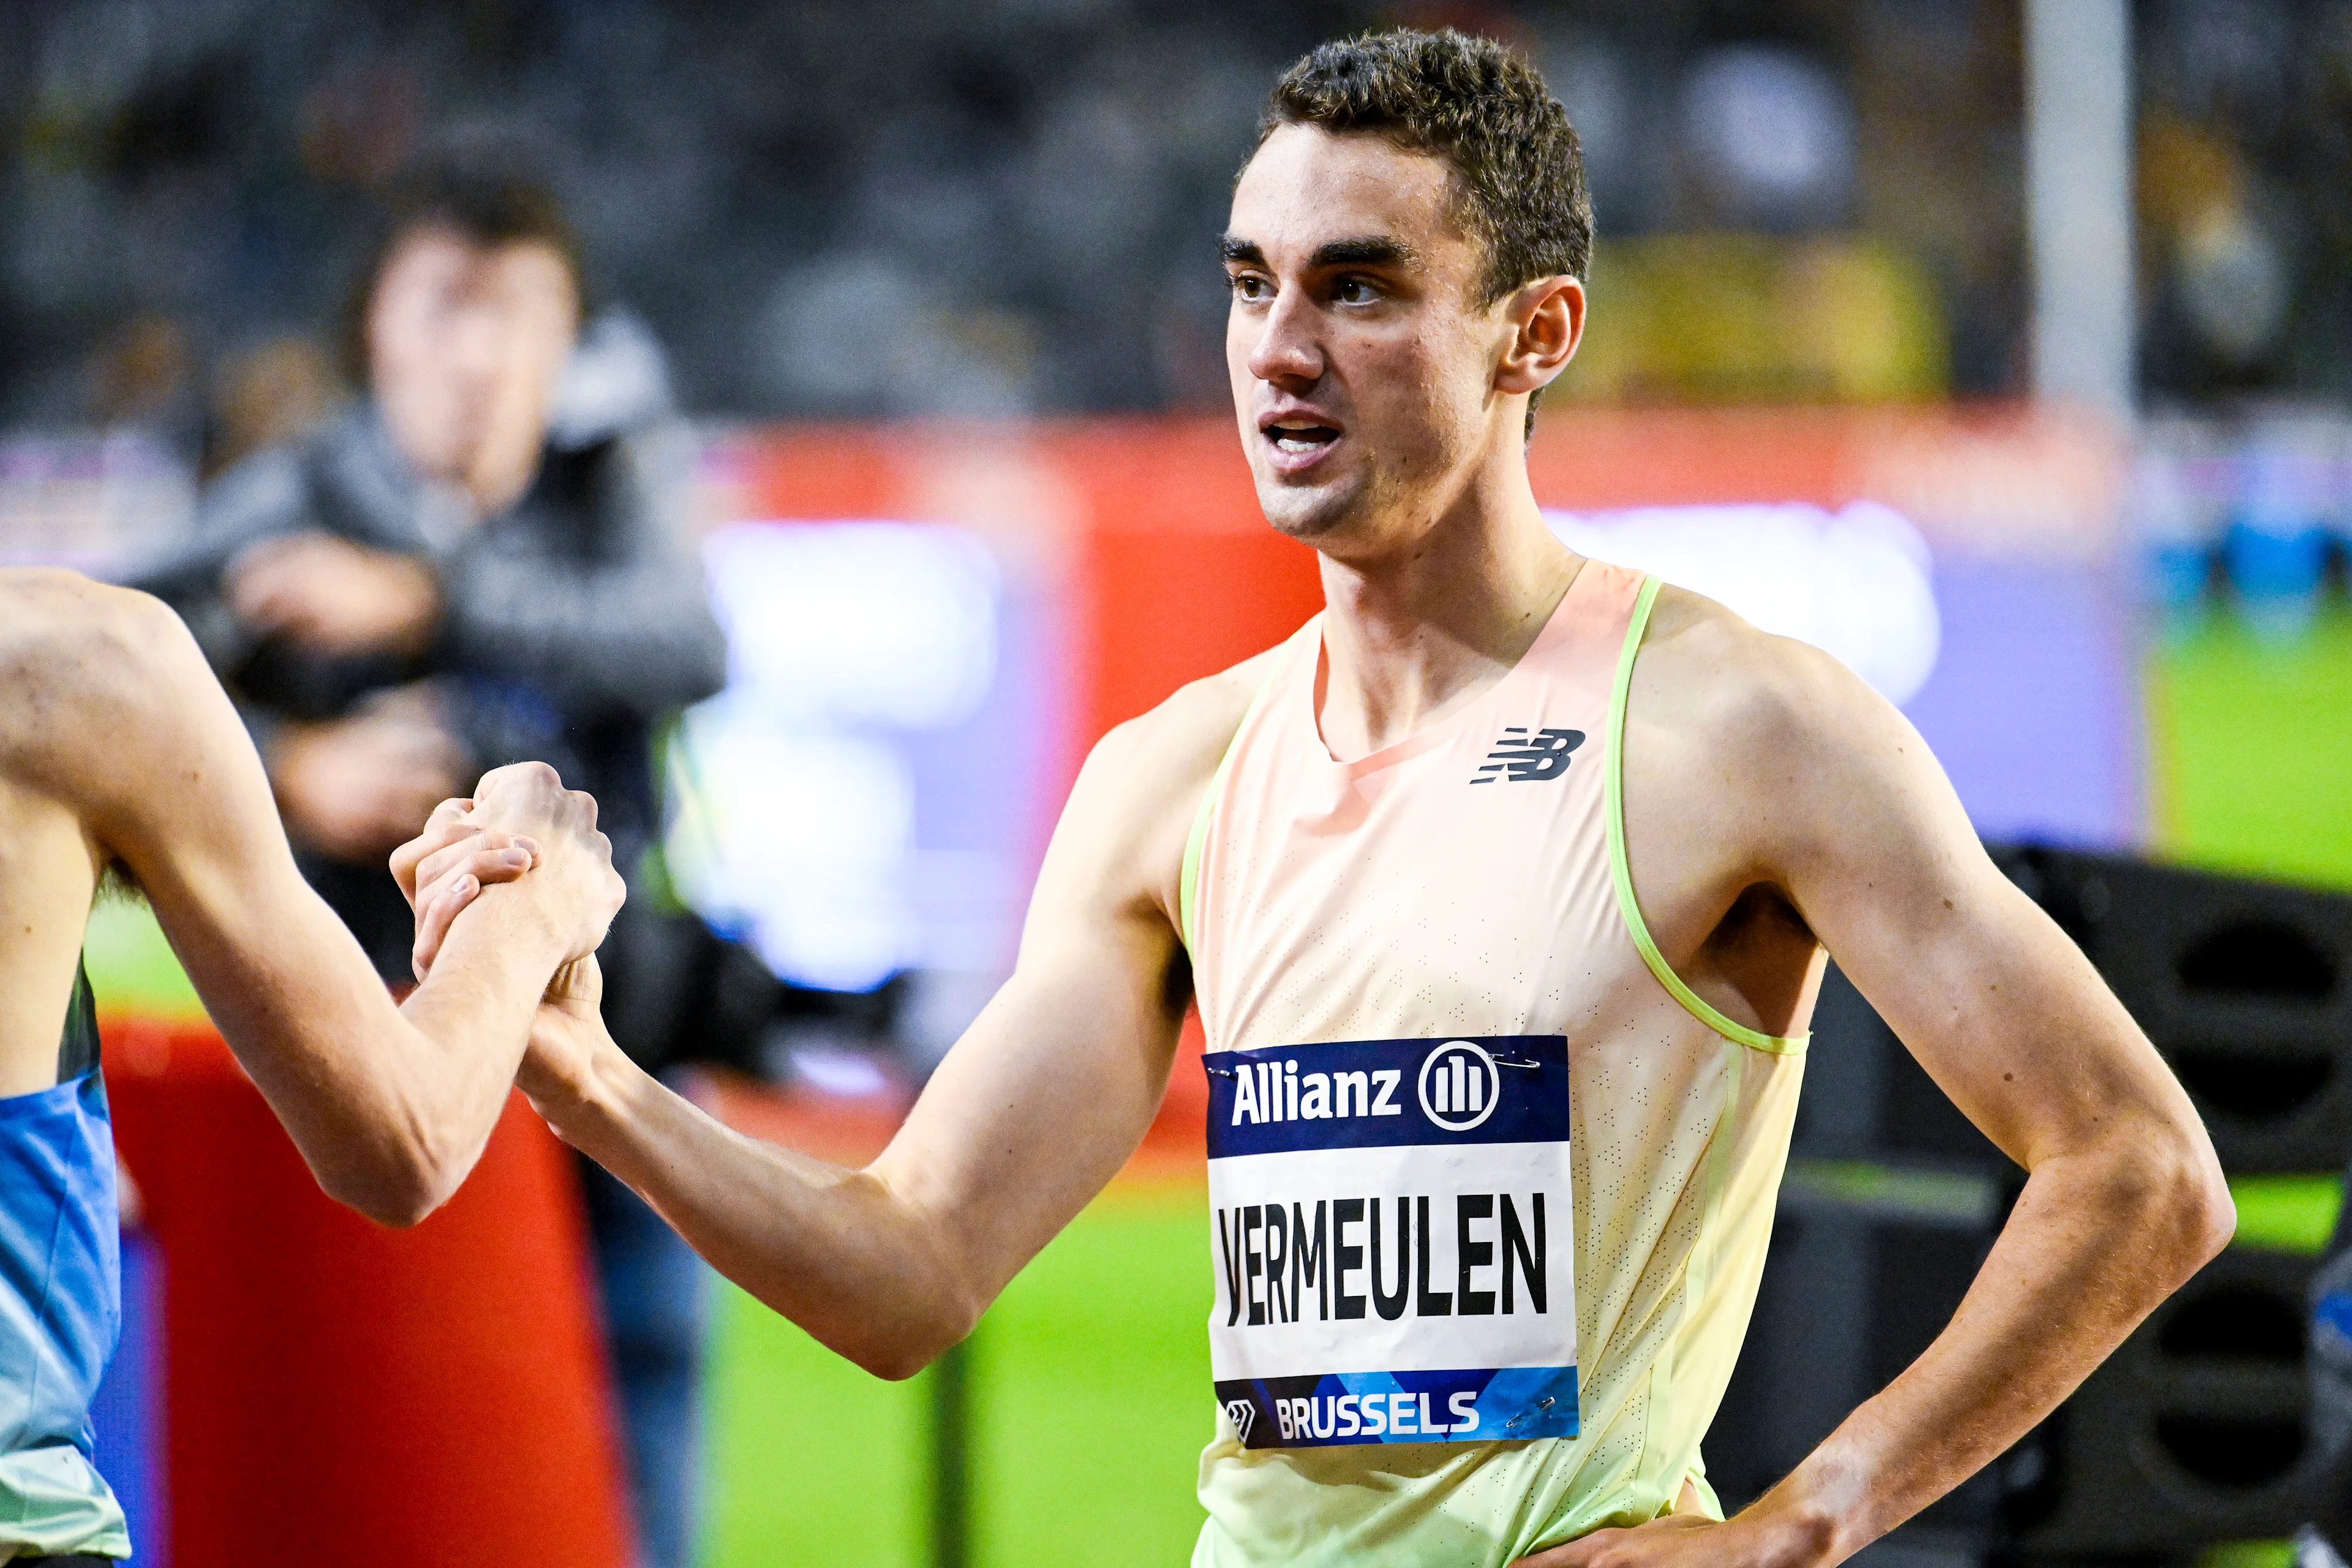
(486, 560)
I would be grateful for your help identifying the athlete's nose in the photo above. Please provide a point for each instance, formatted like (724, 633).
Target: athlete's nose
(1285, 352)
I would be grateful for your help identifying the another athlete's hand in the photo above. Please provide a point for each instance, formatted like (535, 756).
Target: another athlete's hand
(572, 881)
(442, 870)
(574, 872)
(445, 868)
(566, 1037)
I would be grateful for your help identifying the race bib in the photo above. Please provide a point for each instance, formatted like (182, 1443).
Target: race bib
(1390, 1236)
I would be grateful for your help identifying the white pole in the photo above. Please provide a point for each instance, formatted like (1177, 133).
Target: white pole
(2078, 182)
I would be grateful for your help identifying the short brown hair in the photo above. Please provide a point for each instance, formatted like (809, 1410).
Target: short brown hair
(1480, 106)
(486, 199)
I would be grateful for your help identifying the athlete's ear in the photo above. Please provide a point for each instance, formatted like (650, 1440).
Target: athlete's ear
(1547, 321)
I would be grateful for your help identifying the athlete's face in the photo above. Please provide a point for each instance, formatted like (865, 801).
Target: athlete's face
(1369, 376)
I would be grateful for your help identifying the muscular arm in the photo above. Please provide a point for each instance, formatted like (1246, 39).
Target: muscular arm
(1831, 807)
(1027, 1119)
(125, 727)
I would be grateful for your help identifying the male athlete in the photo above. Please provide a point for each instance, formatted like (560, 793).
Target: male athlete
(120, 754)
(1504, 889)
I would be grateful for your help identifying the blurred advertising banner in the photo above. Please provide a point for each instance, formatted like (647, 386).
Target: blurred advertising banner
(932, 623)
(90, 499)
(2017, 661)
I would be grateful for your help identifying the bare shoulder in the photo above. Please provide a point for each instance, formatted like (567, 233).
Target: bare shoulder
(97, 677)
(45, 608)
(1772, 738)
(1133, 805)
(64, 636)
(1720, 685)
(1185, 737)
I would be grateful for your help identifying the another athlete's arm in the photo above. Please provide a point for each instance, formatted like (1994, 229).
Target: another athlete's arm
(1039, 1104)
(117, 718)
(1823, 794)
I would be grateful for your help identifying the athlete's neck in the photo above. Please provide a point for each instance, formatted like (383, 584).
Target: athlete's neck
(1414, 632)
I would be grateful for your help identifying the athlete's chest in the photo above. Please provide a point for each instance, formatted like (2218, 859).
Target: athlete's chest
(1465, 885)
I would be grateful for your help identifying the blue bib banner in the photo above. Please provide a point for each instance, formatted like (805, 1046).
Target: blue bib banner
(1390, 1233)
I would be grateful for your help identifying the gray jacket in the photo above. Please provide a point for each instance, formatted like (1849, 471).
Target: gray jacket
(573, 621)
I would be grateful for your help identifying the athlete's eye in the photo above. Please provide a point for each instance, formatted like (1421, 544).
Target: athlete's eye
(1251, 286)
(1354, 291)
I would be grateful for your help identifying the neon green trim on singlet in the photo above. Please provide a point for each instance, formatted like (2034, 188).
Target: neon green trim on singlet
(1196, 842)
(1620, 871)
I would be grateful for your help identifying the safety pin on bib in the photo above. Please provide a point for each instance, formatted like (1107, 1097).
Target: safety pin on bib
(1538, 1409)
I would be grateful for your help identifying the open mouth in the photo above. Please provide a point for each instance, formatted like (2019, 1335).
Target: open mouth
(1299, 437)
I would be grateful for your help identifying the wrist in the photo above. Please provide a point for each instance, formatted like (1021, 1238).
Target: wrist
(588, 1109)
(1793, 1530)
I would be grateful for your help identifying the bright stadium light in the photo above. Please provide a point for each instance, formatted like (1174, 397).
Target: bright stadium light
(865, 623)
(795, 789)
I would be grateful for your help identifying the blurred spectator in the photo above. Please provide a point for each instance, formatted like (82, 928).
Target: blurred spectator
(483, 562)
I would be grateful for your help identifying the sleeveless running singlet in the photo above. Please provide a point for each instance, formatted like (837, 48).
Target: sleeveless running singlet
(1547, 1122)
(60, 1303)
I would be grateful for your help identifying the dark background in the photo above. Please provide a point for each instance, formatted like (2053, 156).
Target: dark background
(855, 209)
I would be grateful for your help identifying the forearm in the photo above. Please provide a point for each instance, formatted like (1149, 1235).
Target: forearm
(838, 1251)
(468, 1024)
(2094, 1242)
(1025, 1121)
(389, 1108)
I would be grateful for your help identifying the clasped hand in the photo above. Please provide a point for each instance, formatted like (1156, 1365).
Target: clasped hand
(468, 845)
(520, 819)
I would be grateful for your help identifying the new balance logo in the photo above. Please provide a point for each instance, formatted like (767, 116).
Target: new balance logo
(1529, 759)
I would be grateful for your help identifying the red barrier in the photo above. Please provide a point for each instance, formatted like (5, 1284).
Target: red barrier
(337, 1393)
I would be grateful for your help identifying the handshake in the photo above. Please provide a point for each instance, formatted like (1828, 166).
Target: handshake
(523, 832)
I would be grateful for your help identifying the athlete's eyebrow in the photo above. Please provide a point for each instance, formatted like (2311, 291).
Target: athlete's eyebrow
(1370, 250)
(1376, 250)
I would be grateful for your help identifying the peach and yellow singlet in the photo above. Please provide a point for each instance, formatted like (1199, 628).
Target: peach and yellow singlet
(1491, 1187)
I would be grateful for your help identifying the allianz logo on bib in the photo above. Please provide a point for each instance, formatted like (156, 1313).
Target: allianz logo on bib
(1460, 1085)
(1356, 1094)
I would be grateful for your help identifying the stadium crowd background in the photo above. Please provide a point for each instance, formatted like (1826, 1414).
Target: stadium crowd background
(1020, 191)
(837, 230)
